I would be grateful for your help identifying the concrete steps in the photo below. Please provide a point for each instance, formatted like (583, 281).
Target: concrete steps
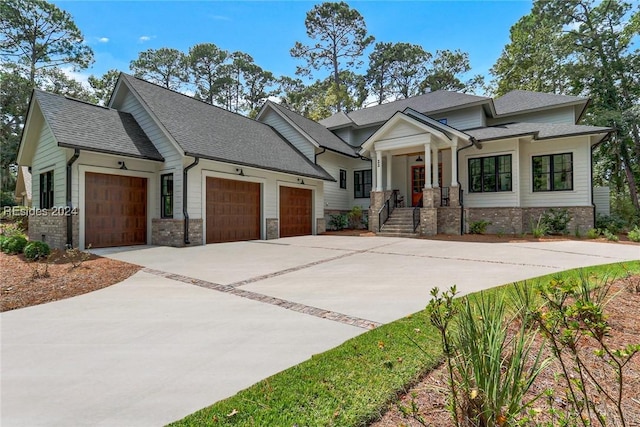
(399, 224)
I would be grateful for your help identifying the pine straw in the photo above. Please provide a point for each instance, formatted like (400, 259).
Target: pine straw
(25, 284)
(431, 393)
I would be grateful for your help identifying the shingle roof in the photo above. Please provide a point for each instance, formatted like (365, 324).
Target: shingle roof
(524, 100)
(77, 124)
(337, 120)
(210, 132)
(323, 136)
(538, 130)
(430, 103)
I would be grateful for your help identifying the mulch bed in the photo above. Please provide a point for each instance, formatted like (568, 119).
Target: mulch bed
(30, 283)
(430, 394)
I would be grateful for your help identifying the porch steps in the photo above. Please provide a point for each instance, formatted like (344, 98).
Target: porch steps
(399, 224)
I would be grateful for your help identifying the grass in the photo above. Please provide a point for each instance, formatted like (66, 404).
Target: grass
(352, 384)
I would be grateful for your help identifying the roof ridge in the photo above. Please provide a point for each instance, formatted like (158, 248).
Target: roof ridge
(192, 98)
(71, 98)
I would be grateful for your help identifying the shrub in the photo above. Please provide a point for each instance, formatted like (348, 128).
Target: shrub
(556, 221)
(610, 236)
(14, 244)
(7, 198)
(338, 222)
(539, 229)
(612, 223)
(355, 217)
(11, 230)
(76, 256)
(36, 250)
(593, 233)
(478, 227)
(634, 235)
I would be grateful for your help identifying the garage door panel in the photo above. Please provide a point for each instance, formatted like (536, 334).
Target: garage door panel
(233, 210)
(296, 212)
(115, 210)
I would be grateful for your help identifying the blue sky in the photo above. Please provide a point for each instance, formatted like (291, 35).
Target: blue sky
(118, 30)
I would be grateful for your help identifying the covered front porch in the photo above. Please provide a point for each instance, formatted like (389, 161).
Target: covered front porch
(415, 166)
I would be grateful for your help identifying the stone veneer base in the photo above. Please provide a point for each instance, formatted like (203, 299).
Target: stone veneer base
(170, 232)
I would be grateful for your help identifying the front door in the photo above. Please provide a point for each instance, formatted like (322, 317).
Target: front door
(417, 184)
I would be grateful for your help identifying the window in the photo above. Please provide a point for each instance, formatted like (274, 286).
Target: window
(553, 172)
(343, 178)
(166, 195)
(490, 174)
(361, 184)
(46, 190)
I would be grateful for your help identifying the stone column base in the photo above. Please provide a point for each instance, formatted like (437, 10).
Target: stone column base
(428, 221)
(170, 232)
(321, 226)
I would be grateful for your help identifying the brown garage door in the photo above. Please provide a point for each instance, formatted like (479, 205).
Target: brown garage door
(115, 210)
(233, 210)
(295, 211)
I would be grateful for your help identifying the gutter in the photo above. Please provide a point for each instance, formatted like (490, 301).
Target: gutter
(315, 157)
(76, 154)
(185, 177)
(473, 143)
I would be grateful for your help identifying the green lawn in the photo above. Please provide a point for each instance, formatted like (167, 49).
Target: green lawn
(352, 384)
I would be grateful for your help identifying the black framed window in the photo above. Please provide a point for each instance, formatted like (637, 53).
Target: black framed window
(46, 190)
(343, 178)
(553, 172)
(166, 195)
(361, 184)
(490, 174)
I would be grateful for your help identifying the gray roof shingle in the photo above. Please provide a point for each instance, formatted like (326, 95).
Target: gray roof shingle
(524, 100)
(210, 132)
(538, 130)
(323, 136)
(429, 103)
(77, 124)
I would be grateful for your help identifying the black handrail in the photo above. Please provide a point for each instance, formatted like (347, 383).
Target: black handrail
(445, 200)
(387, 208)
(416, 218)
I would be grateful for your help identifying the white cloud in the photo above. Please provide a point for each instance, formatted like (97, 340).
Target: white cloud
(143, 39)
(103, 39)
(83, 78)
(219, 18)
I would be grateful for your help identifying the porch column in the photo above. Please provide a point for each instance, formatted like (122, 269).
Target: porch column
(427, 162)
(434, 167)
(389, 159)
(454, 162)
(379, 170)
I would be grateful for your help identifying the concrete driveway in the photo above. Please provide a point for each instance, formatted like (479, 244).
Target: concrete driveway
(199, 324)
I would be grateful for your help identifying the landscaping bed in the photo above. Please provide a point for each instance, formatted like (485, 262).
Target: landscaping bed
(26, 283)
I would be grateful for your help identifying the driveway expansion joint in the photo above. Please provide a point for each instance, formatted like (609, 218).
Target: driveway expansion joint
(266, 299)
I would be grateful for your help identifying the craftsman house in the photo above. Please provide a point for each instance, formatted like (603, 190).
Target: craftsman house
(159, 167)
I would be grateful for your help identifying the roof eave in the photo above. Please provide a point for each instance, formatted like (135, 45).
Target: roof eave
(115, 153)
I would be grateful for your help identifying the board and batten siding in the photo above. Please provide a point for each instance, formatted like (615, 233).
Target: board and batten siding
(270, 189)
(49, 157)
(491, 199)
(290, 133)
(467, 118)
(581, 193)
(173, 157)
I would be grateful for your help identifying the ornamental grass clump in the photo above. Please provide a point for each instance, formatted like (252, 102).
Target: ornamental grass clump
(490, 369)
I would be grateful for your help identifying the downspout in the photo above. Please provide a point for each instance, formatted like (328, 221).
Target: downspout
(185, 177)
(76, 154)
(315, 157)
(473, 142)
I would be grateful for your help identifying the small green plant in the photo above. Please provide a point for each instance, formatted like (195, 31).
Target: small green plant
(610, 236)
(556, 221)
(634, 235)
(338, 221)
(355, 217)
(577, 233)
(36, 250)
(539, 228)
(593, 233)
(76, 257)
(479, 227)
(12, 229)
(40, 270)
(573, 316)
(14, 244)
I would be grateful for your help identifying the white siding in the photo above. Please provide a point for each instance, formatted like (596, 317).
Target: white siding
(49, 157)
(601, 200)
(335, 197)
(491, 199)
(401, 130)
(292, 135)
(466, 118)
(344, 133)
(172, 155)
(361, 135)
(270, 186)
(556, 115)
(581, 193)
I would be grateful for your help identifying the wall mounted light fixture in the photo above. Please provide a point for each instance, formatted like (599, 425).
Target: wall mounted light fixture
(300, 181)
(240, 171)
(122, 165)
(419, 159)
